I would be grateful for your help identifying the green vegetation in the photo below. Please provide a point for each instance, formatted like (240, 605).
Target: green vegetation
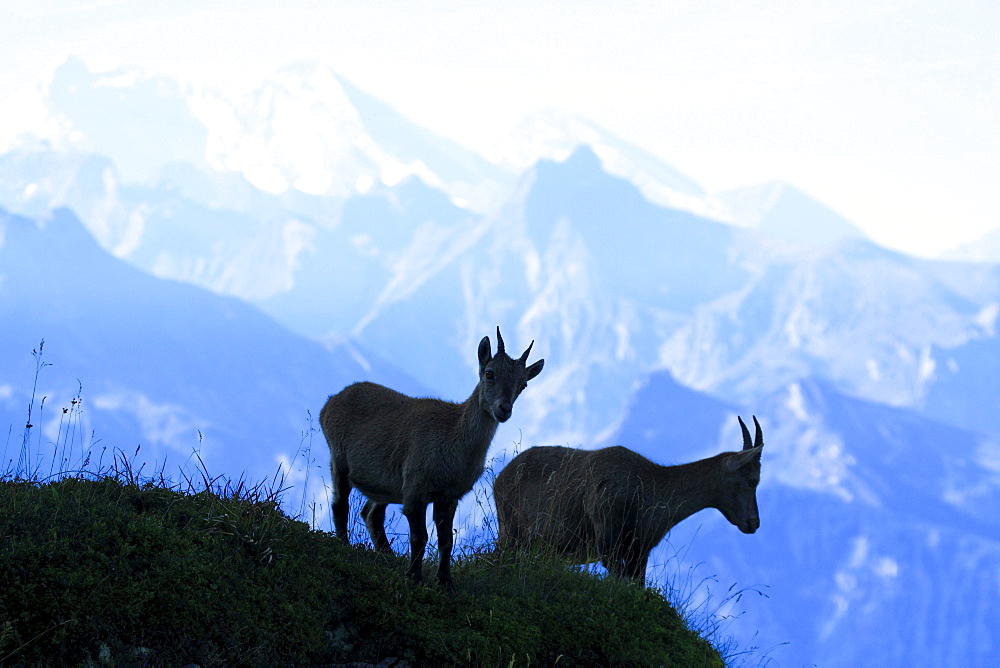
(113, 570)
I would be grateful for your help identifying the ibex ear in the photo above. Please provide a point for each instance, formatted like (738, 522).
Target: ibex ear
(535, 369)
(484, 352)
(737, 460)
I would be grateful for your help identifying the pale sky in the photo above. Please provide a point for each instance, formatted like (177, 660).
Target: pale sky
(886, 110)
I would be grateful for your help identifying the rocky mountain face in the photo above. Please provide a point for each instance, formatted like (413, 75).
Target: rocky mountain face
(307, 236)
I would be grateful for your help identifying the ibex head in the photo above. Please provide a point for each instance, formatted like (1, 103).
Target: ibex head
(502, 378)
(741, 472)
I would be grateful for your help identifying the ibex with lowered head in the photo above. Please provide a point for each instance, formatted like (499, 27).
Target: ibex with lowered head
(398, 449)
(614, 505)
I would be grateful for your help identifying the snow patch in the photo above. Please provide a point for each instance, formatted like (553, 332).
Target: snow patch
(433, 247)
(886, 567)
(988, 454)
(296, 236)
(364, 184)
(132, 238)
(925, 368)
(622, 336)
(315, 182)
(796, 325)
(265, 176)
(125, 79)
(164, 424)
(853, 580)
(813, 459)
(796, 403)
(987, 318)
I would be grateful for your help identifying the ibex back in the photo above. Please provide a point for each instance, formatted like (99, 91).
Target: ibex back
(397, 449)
(614, 505)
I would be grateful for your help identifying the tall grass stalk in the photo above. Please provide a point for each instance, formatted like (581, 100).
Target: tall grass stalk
(24, 459)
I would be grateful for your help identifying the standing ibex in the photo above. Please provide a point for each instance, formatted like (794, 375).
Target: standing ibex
(397, 449)
(615, 505)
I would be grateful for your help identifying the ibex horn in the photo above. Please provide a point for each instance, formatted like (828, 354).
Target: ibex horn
(746, 433)
(759, 440)
(500, 349)
(524, 357)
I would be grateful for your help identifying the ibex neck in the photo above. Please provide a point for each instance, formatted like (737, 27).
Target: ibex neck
(687, 488)
(477, 425)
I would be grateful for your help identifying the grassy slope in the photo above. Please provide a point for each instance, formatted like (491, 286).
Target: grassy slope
(115, 571)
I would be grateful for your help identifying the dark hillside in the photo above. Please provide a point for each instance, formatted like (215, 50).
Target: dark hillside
(119, 571)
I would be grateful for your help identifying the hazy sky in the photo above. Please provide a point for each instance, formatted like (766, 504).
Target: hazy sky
(889, 111)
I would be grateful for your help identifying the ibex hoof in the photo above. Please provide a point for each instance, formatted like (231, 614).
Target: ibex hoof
(447, 583)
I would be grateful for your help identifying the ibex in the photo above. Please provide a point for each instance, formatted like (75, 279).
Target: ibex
(614, 505)
(398, 449)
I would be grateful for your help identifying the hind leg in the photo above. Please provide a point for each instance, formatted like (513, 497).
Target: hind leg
(444, 519)
(374, 517)
(415, 512)
(341, 506)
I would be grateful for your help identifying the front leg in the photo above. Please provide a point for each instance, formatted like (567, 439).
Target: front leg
(341, 501)
(614, 565)
(628, 559)
(374, 517)
(635, 566)
(415, 511)
(608, 543)
(444, 519)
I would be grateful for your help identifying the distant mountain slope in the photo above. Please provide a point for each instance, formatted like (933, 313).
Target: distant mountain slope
(577, 260)
(669, 422)
(984, 249)
(868, 514)
(553, 136)
(413, 144)
(139, 120)
(875, 323)
(164, 365)
(782, 211)
(645, 251)
(302, 129)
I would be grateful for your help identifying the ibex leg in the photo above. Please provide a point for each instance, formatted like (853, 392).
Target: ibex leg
(608, 546)
(374, 517)
(444, 519)
(619, 552)
(630, 557)
(635, 565)
(614, 566)
(341, 505)
(416, 515)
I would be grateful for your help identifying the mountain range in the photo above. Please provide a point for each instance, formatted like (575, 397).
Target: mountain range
(206, 271)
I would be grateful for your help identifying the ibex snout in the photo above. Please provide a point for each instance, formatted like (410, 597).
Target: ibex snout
(750, 525)
(502, 411)
(747, 521)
